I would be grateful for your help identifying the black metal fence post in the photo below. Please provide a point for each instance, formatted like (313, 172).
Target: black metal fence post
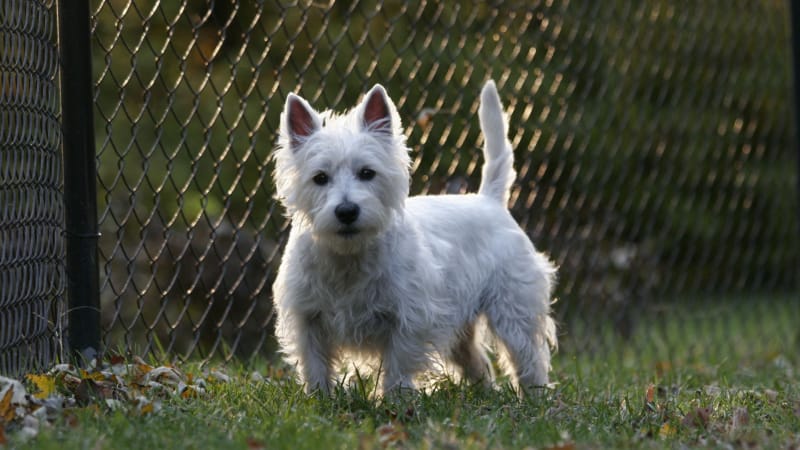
(795, 30)
(80, 191)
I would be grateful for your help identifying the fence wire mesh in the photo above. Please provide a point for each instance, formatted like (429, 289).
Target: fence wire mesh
(31, 211)
(654, 145)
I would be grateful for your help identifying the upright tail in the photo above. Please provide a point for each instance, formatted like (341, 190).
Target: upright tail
(498, 169)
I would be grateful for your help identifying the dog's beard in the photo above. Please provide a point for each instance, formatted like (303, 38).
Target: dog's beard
(347, 243)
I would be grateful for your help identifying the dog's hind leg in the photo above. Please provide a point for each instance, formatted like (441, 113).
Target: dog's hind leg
(469, 355)
(518, 316)
(526, 347)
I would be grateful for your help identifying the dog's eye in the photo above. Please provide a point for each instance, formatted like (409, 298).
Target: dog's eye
(366, 174)
(320, 179)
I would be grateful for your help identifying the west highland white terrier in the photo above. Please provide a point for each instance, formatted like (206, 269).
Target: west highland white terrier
(407, 281)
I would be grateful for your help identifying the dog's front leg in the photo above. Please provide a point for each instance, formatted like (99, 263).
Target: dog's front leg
(316, 355)
(403, 358)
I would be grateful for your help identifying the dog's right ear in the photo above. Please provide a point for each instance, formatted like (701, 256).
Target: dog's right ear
(300, 121)
(378, 111)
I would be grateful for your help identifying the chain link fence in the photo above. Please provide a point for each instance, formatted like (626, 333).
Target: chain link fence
(654, 145)
(655, 148)
(31, 206)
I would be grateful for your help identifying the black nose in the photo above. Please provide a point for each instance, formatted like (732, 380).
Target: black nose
(347, 212)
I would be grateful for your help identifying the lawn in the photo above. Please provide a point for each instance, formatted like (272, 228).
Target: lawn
(740, 391)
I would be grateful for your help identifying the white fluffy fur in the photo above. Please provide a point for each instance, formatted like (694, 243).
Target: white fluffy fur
(410, 280)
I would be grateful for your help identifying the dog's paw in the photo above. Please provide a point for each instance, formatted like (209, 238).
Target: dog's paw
(534, 391)
(319, 388)
(400, 393)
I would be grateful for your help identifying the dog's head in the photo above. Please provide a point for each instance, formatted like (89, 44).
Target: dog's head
(342, 176)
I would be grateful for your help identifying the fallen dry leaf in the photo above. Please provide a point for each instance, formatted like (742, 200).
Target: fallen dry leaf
(219, 376)
(19, 398)
(45, 384)
(145, 406)
(390, 434)
(697, 418)
(165, 375)
(141, 366)
(87, 392)
(95, 375)
(741, 418)
(650, 394)
(146, 409)
(188, 391)
(255, 444)
(666, 431)
(7, 410)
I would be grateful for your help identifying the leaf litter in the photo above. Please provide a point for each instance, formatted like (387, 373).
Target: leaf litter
(115, 384)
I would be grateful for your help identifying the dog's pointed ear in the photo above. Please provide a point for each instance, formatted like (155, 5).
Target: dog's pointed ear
(300, 120)
(378, 111)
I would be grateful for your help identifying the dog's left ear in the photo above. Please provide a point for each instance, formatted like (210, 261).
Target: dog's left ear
(377, 110)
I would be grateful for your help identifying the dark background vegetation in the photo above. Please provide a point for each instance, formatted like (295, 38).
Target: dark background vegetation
(654, 142)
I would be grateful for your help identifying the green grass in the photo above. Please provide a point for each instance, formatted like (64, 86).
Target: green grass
(617, 398)
(593, 406)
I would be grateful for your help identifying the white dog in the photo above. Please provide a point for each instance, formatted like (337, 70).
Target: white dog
(368, 271)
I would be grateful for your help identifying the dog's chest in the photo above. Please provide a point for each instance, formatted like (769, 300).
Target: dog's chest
(362, 301)
(360, 313)
(360, 324)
